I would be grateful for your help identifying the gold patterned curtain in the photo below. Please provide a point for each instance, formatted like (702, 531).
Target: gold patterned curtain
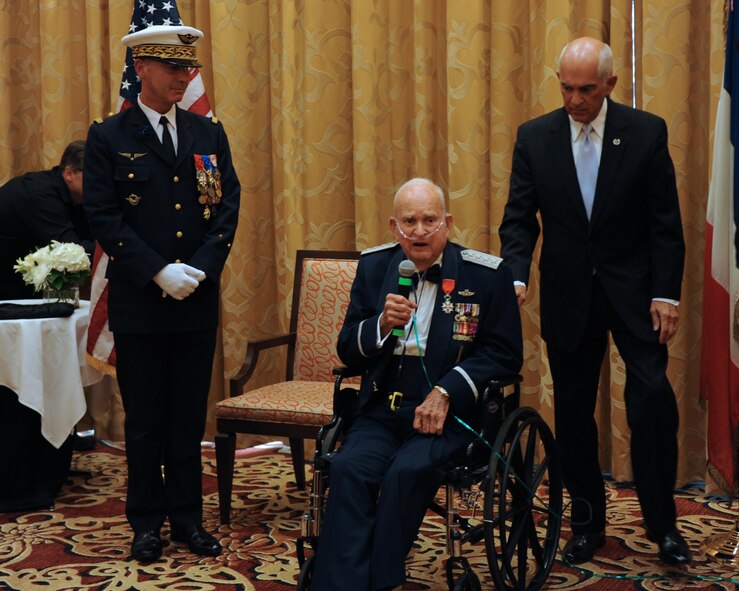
(331, 104)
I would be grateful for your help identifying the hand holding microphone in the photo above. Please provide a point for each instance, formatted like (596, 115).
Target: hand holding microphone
(398, 308)
(178, 280)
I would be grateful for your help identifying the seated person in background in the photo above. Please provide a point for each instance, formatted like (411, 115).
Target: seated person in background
(36, 208)
(461, 329)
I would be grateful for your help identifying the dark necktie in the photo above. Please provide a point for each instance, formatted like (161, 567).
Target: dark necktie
(167, 140)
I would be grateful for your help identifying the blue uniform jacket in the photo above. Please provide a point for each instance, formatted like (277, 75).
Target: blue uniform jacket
(144, 212)
(457, 360)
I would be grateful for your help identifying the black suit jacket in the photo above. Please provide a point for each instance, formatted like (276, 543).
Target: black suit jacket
(633, 241)
(144, 212)
(461, 363)
(36, 208)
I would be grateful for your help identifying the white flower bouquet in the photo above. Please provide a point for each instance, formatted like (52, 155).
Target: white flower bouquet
(58, 266)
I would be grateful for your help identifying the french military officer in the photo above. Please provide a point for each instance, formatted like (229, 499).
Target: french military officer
(162, 199)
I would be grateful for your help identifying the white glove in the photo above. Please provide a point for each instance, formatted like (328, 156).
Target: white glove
(178, 280)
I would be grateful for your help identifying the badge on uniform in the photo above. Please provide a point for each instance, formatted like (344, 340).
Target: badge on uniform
(465, 321)
(208, 178)
(447, 286)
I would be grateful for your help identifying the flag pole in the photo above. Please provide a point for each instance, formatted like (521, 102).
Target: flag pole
(724, 547)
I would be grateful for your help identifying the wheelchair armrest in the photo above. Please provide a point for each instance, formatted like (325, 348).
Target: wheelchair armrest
(500, 383)
(344, 397)
(236, 384)
(494, 390)
(346, 372)
(496, 405)
(343, 407)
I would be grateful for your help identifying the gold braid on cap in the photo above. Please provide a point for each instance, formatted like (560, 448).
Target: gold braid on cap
(180, 52)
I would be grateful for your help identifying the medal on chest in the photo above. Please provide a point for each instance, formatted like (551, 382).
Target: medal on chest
(447, 286)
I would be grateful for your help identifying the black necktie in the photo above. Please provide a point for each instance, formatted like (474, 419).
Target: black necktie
(432, 274)
(167, 140)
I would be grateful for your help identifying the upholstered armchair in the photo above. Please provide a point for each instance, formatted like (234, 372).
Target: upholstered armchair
(300, 405)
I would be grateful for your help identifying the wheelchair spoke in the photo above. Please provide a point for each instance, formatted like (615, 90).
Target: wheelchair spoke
(538, 476)
(537, 550)
(531, 448)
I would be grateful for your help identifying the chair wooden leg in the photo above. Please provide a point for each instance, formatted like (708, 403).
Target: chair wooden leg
(297, 452)
(225, 453)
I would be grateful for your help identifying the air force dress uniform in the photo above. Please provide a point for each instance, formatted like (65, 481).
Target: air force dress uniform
(474, 336)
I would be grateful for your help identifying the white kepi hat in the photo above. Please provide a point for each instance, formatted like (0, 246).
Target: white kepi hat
(171, 44)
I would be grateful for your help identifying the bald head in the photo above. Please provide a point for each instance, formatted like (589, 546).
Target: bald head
(587, 49)
(585, 77)
(419, 184)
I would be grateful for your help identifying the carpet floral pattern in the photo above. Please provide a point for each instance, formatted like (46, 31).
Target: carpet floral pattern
(82, 543)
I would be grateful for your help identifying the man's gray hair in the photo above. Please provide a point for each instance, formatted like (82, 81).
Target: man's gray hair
(420, 181)
(605, 60)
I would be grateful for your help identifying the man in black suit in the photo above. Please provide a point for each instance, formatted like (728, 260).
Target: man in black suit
(36, 208)
(162, 198)
(460, 329)
(611, 260)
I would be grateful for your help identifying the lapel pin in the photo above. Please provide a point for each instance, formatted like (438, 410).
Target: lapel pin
(616, 142)
(465, 293)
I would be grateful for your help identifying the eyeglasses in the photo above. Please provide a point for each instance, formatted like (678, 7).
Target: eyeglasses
(176, 69)
(408, 228)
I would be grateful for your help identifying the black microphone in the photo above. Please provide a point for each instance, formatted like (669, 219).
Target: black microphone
(406, 270)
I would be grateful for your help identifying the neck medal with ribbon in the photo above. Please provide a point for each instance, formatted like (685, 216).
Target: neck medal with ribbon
(447, 286)
(208, 179)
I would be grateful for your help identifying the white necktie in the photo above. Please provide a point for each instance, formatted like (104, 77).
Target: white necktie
(586, 163)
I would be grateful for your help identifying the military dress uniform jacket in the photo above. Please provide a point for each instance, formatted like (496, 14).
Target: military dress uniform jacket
(145, 212)
(36, 208)
(633, 240)
(477, 340)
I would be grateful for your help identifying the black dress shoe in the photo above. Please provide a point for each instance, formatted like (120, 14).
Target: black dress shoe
(198, 540)
(673, 549)
(581, 547)
(80, 443)
(146, 546)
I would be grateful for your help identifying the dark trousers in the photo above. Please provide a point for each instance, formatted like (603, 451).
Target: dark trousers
(651, 413)
(382, 480)
(164, 381)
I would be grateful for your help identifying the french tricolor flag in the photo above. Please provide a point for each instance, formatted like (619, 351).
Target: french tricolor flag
(719, 347)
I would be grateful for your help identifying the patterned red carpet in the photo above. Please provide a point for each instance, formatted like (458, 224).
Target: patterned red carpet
(83, 542)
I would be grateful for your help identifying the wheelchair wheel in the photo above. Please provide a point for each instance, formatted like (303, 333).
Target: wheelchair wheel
(468, 582)
(306, 574)
(523, 503)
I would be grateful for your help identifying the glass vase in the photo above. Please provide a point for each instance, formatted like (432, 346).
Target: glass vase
(69, 295)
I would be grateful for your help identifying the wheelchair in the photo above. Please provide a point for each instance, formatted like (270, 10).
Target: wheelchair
(508, 492)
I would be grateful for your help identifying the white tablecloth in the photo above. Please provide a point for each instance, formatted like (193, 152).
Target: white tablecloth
(43, 362)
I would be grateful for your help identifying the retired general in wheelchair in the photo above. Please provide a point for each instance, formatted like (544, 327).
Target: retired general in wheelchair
(424, 359)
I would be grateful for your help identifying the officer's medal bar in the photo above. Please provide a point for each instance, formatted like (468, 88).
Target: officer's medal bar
(208, 179)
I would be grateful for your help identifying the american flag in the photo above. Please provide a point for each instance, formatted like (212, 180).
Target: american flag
(719, 379)
(146, 13)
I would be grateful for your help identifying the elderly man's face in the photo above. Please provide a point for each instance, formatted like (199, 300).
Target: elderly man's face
(583, 89)
(421, 225)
